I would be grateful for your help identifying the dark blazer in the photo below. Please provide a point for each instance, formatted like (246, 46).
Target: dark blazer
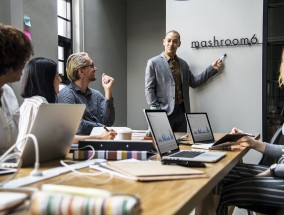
(160, 84)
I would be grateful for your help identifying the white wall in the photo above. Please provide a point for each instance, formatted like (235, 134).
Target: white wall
(233, 97)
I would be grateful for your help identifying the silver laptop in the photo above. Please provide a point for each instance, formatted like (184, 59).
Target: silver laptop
(166, 142)
(201, 130)
(55, 126)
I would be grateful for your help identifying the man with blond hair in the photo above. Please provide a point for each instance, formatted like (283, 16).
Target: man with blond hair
(100, 109)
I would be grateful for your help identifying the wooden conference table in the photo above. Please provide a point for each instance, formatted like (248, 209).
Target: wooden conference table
(159, 197)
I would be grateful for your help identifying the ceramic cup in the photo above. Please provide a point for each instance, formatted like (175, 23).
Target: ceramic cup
(124, 135)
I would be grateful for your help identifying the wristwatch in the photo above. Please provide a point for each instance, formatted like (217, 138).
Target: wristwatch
(272, 169)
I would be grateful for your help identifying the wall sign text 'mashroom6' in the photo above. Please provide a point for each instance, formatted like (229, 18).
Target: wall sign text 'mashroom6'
(225, 42)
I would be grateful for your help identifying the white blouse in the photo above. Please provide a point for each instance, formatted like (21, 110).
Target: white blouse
(9, 118)
(28, 111)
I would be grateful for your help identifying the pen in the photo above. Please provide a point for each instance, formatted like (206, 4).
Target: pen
(105, 128)
(184, 136)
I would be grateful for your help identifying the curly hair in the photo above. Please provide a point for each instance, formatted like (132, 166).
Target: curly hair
(15, 48)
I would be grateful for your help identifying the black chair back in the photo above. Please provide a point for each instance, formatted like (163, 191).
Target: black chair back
(276, 139)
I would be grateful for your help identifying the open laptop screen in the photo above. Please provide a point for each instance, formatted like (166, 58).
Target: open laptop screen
(161, 130)
(200, 127)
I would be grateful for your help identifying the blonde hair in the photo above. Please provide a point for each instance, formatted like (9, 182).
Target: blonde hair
(75, 62)
(281, 75)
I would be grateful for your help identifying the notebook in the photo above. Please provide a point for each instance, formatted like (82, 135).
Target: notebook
(202, 134)
(55, 126)
(166, 143)
(147, 170)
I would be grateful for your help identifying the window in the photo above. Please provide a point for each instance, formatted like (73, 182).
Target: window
(273, 45)
(64, 28)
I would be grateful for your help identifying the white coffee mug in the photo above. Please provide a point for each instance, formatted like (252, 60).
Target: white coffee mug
(124, 135)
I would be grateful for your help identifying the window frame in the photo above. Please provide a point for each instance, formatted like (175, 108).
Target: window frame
(66, 43)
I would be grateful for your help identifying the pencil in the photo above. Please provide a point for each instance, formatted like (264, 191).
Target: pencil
(106, 128)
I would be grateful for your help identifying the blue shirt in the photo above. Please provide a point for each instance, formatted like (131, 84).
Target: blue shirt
(99, 111)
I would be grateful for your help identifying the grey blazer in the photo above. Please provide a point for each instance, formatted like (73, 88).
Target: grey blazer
(160, 84)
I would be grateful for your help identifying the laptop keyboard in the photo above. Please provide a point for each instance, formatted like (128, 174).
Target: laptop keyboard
(188, 154)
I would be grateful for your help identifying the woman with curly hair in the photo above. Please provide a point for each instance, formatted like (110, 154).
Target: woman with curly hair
(15, 51)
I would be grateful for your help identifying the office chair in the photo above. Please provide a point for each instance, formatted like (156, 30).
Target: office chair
(276, 140)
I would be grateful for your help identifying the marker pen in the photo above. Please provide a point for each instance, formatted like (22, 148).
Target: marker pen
(222, 57)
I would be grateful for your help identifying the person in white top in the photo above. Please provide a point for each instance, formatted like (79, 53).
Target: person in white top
(15, 50)
(40, 84)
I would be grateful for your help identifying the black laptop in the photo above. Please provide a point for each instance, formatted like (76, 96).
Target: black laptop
(166, 143)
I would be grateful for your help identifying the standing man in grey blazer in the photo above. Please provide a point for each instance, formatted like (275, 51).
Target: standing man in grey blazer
(168, 79)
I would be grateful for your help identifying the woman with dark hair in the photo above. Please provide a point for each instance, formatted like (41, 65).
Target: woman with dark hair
(15, 50)
(41, 85)
(38, 79)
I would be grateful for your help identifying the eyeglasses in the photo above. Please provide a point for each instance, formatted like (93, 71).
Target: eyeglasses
(91, 65)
